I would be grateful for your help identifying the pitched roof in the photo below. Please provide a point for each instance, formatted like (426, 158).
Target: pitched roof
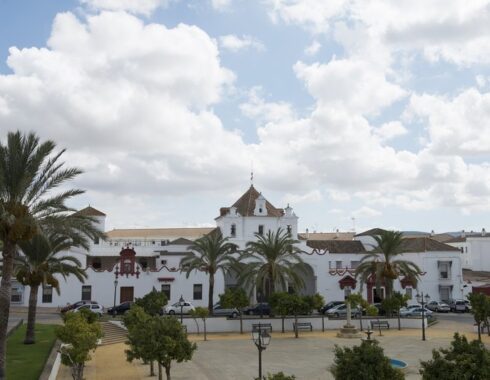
(245, 205)
(462, 239)
(181, 241)
(372, 231)
(90, 211)
(159, 233)
(326, 235)
(425, 244)
(337, 246)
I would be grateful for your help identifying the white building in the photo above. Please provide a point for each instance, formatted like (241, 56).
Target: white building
(132, 262)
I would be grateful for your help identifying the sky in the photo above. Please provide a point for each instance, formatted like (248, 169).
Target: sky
(357, 113)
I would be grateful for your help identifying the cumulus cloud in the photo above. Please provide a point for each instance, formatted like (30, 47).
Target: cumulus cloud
(313, 48)
(235, 43)
(221, 5)
(143, 7)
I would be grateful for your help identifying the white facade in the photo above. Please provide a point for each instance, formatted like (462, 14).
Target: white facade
(475, 250)
(156, 264)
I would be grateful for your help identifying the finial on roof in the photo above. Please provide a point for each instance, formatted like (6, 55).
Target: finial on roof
(252, 174)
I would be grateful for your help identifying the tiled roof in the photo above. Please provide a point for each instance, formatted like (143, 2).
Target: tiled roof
(245, 205)
(181, 241)
(159, 233)
(337, 246)
(326, 236)
(425, 244)
(90, 211)
(462, 239)
(372, 231)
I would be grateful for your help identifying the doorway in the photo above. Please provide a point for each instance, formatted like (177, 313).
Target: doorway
(127, 294)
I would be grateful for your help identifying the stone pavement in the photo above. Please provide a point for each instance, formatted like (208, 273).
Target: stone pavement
(234, 356)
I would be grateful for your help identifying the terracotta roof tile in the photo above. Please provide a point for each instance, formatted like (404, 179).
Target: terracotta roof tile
(90, 211)
(337, 246)
(245, 205)
(425, 244)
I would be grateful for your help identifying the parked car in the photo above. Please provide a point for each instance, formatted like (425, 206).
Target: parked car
(93, 307)
(458, 306)
(438, 306)
(230, 312)
(262, 308)
(341, 311)
(415, 312)
(75, 305)
(330, 305)
(120, 309)
(175, 308)
(468, 305)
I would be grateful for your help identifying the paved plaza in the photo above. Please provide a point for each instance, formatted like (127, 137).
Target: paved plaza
(234, 356)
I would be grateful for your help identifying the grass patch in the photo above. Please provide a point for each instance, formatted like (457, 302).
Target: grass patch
(26, 361)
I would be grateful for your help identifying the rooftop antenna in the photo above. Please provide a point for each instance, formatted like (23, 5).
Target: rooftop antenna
(252, 174)
(353, 224)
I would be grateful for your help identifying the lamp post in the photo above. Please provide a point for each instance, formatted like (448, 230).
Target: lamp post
(423, 300)
(261, 338)
(181, 304)
(115, 290)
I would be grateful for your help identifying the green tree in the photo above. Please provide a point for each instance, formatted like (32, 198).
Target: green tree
(160, 339)
(356, 301)
(153, 302)
(382, 264)
(462, 360)
(314, 301)
(79, 337)
(277, 376)
(394, 304)
(367, 362)
(272, 262)
(480, 308)
(39, 264)
(203, 313)
(280, 305)
(29, 173)
(235, 298)
(210, 253)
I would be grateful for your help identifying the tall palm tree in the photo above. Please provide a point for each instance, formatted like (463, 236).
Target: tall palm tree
(272, 262)
(384, 265)
(210, 253)
(29, 172)
(39, 264)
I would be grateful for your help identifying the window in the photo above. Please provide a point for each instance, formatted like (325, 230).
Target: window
(233, 230)
(47, 294)
(289, 229)
(198, 291)
(96, 240)
(16, 294)
(354, 264)
(260, 210)
(462, 250)
(261, 229)
(338, 264)
(166, 291)
(144, 264)
(443, 270)
(331, 265)
(408, 293)
(445, 293)
(86, 292)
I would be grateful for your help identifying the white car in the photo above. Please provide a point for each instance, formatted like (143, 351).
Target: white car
(175, 308)
(341, 311)
(94, 308)
(415, 312)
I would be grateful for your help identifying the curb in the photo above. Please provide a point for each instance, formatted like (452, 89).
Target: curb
(12, 330)
(52, 365)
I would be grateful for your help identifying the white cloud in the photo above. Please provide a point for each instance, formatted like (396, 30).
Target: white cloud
(221, 5)
(263, 112)
(144, 7)
(311, 196)
(235, 43)
(390, 130)
(365, 212)
(313, 48)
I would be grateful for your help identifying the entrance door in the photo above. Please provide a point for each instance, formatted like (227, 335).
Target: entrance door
(127, 294)
(378, 297)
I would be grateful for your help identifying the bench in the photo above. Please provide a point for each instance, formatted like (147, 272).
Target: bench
(380, 324)
(261, 326)
(302, 326)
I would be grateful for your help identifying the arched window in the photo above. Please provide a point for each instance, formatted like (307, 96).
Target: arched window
(233, 230)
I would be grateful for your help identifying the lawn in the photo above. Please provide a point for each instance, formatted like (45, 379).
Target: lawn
(26, 362)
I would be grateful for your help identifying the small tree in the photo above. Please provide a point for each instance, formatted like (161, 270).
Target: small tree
(395, 303)
(203, 313)
(134, 319)
(463, 360)
(356, 301)
(235, 298)
(367, 362)
(480, 306)
(297, 306)
(277, 376)
(80, 337)
(280, 305)
(153, 302)
(314, 302)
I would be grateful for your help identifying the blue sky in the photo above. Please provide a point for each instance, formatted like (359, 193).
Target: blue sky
(346, 109)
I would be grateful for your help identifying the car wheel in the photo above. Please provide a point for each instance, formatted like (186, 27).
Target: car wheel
(234, 315)
(172, 312)
(336, 315)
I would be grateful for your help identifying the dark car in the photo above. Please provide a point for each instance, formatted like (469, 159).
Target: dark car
(329, 305)
(120, 309)
(73, 306)
(262, 308)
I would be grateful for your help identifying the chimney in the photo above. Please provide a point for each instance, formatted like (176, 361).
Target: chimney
(337, 233)
(432, 233)
(463, 234)
(483, 232)
(307, 234)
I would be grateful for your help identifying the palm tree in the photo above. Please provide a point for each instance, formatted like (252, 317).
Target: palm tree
(29, 172)
(39, 264)
(210, 253)
(272, 262)
(382, 264)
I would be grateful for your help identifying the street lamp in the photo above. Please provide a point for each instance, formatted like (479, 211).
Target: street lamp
(261, 338)
(115, 289)
(423, 300)
(181, 304)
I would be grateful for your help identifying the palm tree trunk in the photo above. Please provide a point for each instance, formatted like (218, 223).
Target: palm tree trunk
(211, 293)
(479, 331)
(5, 293)
(31, 316)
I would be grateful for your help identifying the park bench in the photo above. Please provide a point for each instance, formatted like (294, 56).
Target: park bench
(261, 326)
(302, 326)
(380, 324)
